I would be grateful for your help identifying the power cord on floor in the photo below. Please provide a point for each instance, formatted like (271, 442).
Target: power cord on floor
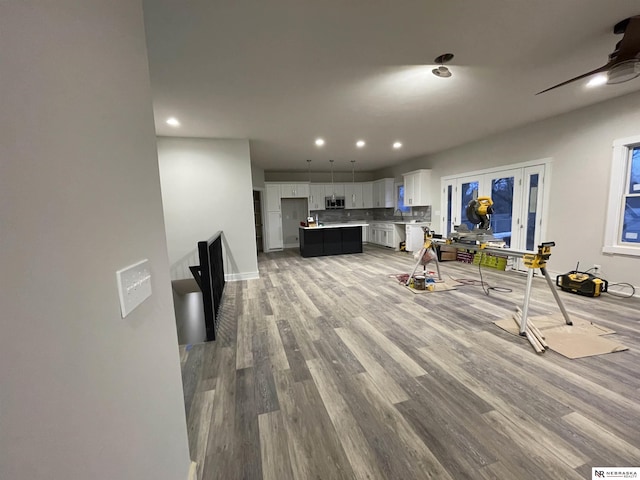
(485, 286)
(487, 290)
(621, 284)
(619, 294)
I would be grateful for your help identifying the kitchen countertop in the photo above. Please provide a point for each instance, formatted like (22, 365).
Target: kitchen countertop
(338, 225)
(365, 223)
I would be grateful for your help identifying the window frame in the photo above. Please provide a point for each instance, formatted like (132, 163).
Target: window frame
(620, 165)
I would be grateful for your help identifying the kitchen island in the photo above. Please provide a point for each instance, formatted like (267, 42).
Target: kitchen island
(334, 239)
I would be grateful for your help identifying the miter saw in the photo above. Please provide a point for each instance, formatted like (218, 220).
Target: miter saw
(479, 211)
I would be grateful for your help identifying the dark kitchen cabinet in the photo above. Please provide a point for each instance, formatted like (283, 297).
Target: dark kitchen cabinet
(315, 242)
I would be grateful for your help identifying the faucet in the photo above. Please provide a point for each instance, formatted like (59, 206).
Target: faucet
(401, 215)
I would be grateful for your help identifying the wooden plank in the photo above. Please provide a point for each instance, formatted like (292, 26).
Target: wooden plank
(313, 445)
(553, 461)
(388, 387)
(361, 458)
(219, 461)
(295, 358)
(199, 453)
(246, 426)
(277, 354)
(266, 397)
(411, 367)
(602, 435)
(276, 464)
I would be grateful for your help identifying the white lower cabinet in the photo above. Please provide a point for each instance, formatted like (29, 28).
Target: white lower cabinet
(383, 234)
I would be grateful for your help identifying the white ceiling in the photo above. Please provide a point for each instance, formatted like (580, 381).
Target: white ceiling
(282, 73)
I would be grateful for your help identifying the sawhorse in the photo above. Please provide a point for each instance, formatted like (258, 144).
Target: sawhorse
(427, 246)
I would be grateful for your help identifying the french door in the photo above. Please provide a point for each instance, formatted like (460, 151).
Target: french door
(517, 195)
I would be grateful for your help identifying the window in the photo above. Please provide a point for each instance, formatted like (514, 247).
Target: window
(623, 215)
(400, 199)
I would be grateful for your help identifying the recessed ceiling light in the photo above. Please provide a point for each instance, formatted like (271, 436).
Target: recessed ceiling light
(360, 143)
(319, 142)
(397, 145)
(173, 122)
(597, 81)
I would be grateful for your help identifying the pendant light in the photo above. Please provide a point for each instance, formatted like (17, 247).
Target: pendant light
(333, 189)
(353, 183)
(309, 169)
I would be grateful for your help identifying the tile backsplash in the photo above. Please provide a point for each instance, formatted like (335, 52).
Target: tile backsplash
(422, 214)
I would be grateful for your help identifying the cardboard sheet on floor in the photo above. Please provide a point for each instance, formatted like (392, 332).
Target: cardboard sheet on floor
(582, 339)
(439, 287)
(578, 345)
(546, 323)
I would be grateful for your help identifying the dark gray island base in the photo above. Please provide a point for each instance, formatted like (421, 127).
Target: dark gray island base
(318, 241)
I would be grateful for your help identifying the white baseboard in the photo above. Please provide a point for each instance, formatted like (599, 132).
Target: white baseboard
(238, 277)
(193, 471)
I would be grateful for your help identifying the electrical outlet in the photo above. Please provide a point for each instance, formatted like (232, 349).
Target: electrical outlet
(134, 286)
(596, 268)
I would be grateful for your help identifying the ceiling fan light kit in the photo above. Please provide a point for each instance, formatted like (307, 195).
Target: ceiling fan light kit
(623, 64)
(442, 71)
(623, 72)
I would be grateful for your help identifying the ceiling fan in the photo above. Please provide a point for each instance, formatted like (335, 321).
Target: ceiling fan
(624, 61)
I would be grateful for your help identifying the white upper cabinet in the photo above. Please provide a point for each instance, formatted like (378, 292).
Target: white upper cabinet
(294, 190)
(316, 196)
(367, 195)
(353, 195)
(273, 197)
(383, 193)
(335, 188)
(417, 188)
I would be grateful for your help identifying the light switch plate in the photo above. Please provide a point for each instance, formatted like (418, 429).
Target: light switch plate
(134, 286)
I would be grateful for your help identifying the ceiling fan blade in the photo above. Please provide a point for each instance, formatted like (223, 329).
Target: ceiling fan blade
(604, 68)
(630, 43)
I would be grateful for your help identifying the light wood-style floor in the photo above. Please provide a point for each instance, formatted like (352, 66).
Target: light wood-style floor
(326, 368)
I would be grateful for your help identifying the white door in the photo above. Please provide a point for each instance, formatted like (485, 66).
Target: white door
(531, 224)
(528, 233)
(447, 201)
(466, 190)
(505, 190)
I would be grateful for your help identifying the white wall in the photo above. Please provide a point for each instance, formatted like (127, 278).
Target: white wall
(207, 187)
(84, 394)
(580, 145)
(257, 177)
